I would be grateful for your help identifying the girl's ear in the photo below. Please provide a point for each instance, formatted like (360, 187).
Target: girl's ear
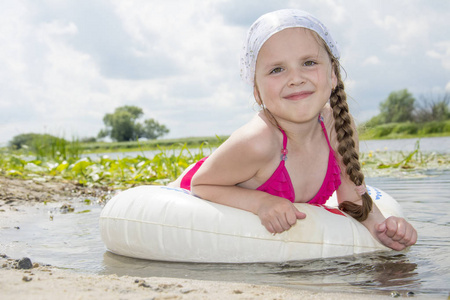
(256, 95)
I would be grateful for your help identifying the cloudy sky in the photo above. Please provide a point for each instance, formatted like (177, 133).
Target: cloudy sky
(64, 64)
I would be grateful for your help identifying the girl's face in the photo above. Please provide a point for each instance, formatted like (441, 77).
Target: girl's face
(294, 76)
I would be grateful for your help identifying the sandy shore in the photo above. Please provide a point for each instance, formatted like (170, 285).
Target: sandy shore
(44, 282)
(47, 282)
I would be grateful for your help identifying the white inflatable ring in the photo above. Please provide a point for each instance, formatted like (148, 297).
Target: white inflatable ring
(161, 223)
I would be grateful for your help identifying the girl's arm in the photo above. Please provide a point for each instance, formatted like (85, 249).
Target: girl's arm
(240, 160)
(276, 214)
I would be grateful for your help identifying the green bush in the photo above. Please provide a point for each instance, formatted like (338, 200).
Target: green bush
(447, 126)
(46, 145)
(32, 141)
(433, 127)
(382, 130)
(406, 128)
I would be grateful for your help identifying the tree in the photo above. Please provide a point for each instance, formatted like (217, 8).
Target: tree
(398, 107)
(433, 108)
(122, 125)
(152, 129)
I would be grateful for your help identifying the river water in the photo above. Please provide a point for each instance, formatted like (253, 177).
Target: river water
(433, 144)
(72, 240)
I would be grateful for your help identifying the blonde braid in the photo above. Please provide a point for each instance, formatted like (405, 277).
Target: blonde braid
(346, 148)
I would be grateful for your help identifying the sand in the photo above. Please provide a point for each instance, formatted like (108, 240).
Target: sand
(47, 282)
(44, 282)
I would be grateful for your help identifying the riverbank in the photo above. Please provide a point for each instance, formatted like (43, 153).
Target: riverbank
(24, 279)
(46, 282)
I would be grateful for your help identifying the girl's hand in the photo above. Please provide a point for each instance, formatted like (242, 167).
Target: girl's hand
(278, 214)
(396, 233)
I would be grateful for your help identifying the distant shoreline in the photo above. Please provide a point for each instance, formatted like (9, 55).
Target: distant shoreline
(206, 142)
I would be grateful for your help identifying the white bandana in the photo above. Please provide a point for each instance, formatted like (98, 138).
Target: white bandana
(271, 23)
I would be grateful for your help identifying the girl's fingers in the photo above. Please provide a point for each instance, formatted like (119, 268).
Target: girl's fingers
(396, 233)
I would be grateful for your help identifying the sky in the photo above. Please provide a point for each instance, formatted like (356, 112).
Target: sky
(65, 64)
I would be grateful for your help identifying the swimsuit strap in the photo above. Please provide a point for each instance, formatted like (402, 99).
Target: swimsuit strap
(284, 150)
(324, 130)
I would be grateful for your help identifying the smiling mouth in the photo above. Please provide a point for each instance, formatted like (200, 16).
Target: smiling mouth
(299, 95)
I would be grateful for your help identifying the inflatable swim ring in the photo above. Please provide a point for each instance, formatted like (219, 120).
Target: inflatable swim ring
(161, 223)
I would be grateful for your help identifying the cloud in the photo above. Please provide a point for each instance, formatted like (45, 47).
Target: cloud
(442, 53)
(67, 63)
(372, 60)
(100, 33)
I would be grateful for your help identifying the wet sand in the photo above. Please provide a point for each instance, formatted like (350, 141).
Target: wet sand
(46, 282)
(23, 279)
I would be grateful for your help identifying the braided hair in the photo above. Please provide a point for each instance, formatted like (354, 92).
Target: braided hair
(346, 147)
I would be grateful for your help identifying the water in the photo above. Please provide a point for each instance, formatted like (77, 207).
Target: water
(73, 241)
(150, 153)
(433, 144)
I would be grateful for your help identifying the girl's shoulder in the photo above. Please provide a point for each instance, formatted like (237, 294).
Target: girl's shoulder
(258, 138)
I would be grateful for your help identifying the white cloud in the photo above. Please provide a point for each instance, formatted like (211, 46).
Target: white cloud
(404, 27)
(372, 60)
(442, 53)
(67, 63)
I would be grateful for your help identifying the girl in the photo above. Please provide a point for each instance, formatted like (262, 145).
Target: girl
(303, 144)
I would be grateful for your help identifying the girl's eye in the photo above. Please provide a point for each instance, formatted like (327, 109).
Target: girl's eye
(310, 63)
(276, 70)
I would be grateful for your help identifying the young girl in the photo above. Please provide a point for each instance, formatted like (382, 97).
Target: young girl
(303, 145)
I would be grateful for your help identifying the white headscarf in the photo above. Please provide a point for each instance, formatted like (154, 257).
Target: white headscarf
(271, 23)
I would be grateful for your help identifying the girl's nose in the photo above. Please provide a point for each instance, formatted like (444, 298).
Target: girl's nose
(296, 78)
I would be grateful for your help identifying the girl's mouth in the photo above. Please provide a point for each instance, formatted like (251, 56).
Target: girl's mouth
(299, 95)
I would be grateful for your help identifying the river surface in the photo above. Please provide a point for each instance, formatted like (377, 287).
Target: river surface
(432, 144)
(72, 240)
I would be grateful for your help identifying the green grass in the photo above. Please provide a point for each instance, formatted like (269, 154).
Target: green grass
(405, 130)
(190, 142)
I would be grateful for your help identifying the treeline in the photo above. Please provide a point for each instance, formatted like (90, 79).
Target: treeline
(121, 126)
(402, 115)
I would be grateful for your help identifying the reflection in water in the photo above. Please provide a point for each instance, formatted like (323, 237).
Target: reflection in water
(385, 271)
(393, 272)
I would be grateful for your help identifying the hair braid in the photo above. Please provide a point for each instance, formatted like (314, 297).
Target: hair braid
(346, 148)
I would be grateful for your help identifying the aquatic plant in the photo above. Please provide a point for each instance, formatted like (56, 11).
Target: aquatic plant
(163, 167)
(400, 163)
(167, 164)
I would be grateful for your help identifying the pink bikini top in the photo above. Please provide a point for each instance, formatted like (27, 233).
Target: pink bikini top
(279, 184)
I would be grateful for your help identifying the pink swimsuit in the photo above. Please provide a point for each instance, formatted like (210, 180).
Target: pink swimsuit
(279, 184)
